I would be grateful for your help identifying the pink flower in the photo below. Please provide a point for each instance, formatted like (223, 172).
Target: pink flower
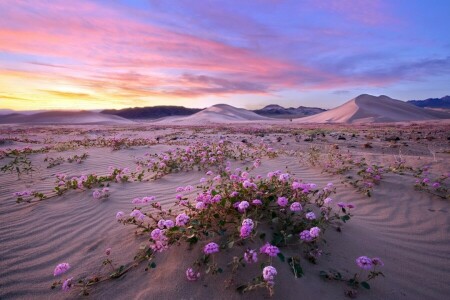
(191, 275)
(211, 248)
(161, 223)
(120, 215)
(61, 269)
(364, 262)
(327, 200)
(436, 185)
(67, 284)
(269, 273)
(250, 256)
(282, 201)
(296, 207)
(269, 250)
(159, 246)
(248, 184)
(108, 251)
(96, 194)
(284, 177)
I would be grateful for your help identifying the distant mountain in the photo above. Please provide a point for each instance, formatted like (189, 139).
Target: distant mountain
(277, 111)
(152, 112)
(443, 102)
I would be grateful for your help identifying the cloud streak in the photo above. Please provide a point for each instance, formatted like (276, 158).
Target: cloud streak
(98, 50)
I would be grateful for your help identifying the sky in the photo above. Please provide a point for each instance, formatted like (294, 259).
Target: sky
(247, 53)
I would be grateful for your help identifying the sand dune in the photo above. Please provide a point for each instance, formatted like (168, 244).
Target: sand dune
(409, 235)
(217, 114)
(371, 109)
(63, 117)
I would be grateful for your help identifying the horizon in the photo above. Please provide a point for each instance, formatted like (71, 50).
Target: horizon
(2, 110)
(101, 55)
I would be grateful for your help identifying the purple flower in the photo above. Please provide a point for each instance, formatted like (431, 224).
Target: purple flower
(314, 232)
(282, 201)
(169, 223)
(296, 207)
(61, 269)
(248, 222)
(191, 275)
(182, 220)
(211, 248)
(67, 284)
(137, 214)
(269, 250)
(243, 205)
(377, 262)
(269, 273)
(305, 236)
(436, 185)
(310, 216)
(250, 256)
(157, 234)
(257, 202)
(296, 185)
(364, 262)
(108, 251)
(246, 230)
(200, 205)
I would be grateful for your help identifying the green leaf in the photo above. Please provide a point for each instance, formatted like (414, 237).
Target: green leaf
(297, 270)
(365, 285)
(281, 256)
(262, 236)
(241, 288)
(192, 239)
(152, 265)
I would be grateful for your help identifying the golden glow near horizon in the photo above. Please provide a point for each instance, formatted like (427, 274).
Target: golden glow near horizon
(19, 91)
(117, 54)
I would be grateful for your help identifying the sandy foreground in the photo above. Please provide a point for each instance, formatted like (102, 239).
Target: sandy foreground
(408, 229)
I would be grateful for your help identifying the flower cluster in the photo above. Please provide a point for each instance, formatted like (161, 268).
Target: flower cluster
(101, 194)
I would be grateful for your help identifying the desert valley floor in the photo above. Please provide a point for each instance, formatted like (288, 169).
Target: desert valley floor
(405, 221)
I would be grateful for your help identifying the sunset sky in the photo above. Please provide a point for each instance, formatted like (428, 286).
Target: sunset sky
(113, 54)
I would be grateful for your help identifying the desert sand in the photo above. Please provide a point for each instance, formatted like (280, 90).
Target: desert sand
(408, 229)
(216, 114)
(63, 117)
(371, 109)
